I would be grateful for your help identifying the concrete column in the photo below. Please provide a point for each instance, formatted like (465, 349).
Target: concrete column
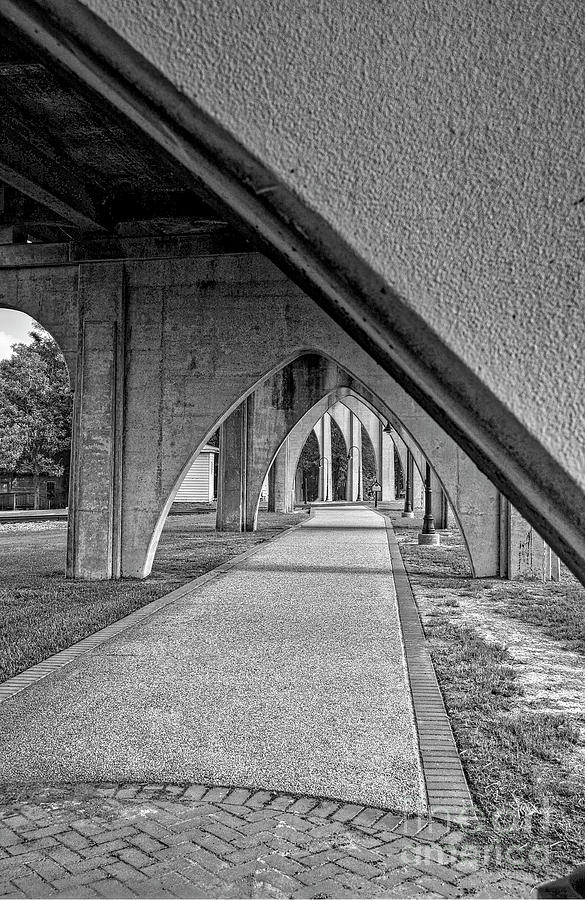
(299, 486)
(233, 469)
(555, 566)
(440, 505)
(387, 474)
(94, 529)
(418, 487)
(523, 553)
(325, 471)
(370, 424)
(354, 464)
(279, 499)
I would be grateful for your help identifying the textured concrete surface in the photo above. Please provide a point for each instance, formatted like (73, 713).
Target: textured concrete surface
(229, 353)
(462, 183)
(287, 674)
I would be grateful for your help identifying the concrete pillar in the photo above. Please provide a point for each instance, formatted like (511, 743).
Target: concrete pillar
(279, 499)
(341, 415)
(355, 480)
(439, 503)
(555, 566)
(325, 471)
(372, 426)
(387, 474)
(299, 488)
(233, 469)
(95, 497)
(418, 488)
(523, 553)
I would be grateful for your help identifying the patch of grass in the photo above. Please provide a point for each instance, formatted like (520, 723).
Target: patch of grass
(555, 607)
(521, 764)
(518, 762)
(41, 612)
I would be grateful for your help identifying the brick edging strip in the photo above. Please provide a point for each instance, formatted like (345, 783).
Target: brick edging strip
(447, 788)
(53, 663)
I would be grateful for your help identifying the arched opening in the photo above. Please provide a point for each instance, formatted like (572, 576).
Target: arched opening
(324, 377)
(308, 470)
(35, 417)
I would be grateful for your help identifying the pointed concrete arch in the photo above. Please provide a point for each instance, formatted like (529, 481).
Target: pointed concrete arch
(399, 438)
(371, 420)
(473, 498)
(467, 516)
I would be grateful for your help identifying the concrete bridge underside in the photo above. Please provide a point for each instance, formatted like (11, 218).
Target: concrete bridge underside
(143, 190)
(155, 375)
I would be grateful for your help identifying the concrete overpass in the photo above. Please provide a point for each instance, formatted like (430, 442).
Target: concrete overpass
(153, 171)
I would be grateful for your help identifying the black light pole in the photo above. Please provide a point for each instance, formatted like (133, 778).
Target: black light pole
(428, 535)
(408, 512)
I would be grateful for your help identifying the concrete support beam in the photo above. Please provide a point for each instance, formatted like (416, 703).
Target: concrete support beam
(523, 553)
(355, 480)
(387, 472)
(232, 481)
(323, 431)
(95, 503)
(182, 368)
(279, 402)
(439, 503)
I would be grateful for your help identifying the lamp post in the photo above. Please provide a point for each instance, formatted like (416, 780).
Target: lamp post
(408, 512)
(325, 477)
(428, 535)
(359, 450)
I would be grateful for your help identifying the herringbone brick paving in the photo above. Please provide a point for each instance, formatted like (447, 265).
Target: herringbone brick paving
(112, 840)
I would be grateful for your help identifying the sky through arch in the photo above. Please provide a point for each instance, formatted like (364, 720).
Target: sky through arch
(14, 329)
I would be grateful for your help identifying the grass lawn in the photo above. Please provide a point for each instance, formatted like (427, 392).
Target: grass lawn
(41, 612)
(525, 765)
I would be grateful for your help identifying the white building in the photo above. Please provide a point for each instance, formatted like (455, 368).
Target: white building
(199, 483)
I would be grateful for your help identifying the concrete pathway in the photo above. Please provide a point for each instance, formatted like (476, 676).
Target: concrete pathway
(283, 679)
(287, 673)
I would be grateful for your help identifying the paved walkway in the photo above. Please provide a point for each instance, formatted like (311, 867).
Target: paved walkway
(284, 678)
(286, 673)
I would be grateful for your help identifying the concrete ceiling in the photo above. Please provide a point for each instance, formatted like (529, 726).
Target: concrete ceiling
(71, 166)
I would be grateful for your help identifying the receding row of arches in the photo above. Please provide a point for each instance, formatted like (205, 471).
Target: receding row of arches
(147, 403)
(312, 465)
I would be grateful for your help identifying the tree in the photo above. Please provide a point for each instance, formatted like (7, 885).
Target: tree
(35, 411)
(309, 467)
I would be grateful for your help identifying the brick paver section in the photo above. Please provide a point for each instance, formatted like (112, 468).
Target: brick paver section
(447, 789)
(134, 840)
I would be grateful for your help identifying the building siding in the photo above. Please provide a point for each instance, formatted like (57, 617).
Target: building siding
(197, 486)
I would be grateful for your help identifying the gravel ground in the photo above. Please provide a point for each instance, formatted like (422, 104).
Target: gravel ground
(286, 674)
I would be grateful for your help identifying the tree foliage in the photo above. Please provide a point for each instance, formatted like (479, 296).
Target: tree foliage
(35, 409)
